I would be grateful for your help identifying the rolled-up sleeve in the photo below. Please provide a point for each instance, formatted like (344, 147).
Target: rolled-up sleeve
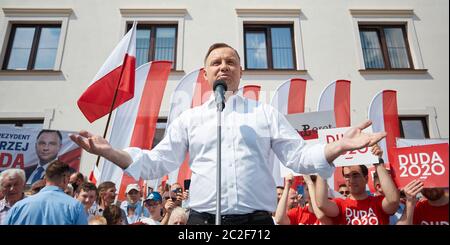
(292, 150)
(167, 156)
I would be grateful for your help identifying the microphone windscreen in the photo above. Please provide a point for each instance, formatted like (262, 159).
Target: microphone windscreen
(221, 83)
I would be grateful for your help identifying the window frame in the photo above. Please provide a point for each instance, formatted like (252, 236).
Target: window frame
(21, 122)
(34, 46)
(266, 28)
(423, 119)
(152, 28)
(379, 28)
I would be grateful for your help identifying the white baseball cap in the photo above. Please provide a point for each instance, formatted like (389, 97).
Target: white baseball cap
(132, 187)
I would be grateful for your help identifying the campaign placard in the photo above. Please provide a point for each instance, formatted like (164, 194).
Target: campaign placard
(19, 148)
(428, 163)
(308, 124)
(349, 158)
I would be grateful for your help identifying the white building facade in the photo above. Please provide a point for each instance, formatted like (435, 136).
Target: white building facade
(51, 50)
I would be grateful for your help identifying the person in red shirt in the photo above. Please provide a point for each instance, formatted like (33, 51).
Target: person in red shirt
(432, 210)
(307, 215)
(359, 208)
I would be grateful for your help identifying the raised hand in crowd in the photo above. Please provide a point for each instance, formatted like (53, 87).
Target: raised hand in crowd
(377, 151)
(311, 190)
(411, 190)
(281, 217)
(169, 206)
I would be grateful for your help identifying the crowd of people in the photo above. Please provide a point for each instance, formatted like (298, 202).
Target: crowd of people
(62, 198)
(65, 198)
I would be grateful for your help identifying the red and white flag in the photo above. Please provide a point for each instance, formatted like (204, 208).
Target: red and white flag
(336, 97)
(192, 90)
(94, 175)
(383, 113)
(250, 92)
(135, 121)
(289, 98)
(116, 74)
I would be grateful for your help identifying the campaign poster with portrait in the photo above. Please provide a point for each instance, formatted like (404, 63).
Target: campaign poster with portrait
(22, 148)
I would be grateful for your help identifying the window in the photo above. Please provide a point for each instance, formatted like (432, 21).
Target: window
(414, 127)
(32, 47)
(385, 47)
(38, 123)
(160, 131)
(269, 47)
(155, 42)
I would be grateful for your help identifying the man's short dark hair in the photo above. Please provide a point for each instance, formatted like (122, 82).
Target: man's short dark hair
(364, 170)
(80, 176)
(50, 131)
(87, 186)
(56, 170)
(219, 45)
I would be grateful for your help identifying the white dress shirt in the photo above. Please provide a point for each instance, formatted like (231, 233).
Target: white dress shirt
(249, 131)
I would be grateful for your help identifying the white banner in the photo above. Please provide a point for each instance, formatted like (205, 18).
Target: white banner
(362, 156)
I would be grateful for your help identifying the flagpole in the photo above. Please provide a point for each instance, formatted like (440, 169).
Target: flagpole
(111, 108)
(114, 99)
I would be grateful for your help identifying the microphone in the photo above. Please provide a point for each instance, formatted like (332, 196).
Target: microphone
(219, 88)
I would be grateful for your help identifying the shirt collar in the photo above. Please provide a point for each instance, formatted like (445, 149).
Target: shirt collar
(210, 103)
(51, 188)
(45, 166)
(4, 204)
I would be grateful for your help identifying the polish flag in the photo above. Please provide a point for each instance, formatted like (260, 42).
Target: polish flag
(250, 92)
(336, 97)
(135, 121)
(383, 113)
(192, 90)
(113, 82)
(289, 98)
(94, 175)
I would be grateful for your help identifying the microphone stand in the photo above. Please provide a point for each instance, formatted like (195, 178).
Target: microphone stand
(219, 167)
(219, 88)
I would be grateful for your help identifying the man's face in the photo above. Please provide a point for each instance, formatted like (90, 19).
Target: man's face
(133, 196)
(355, 180)
(433, 194)
(154, 208)
(48, 146)
(279, 193)
(87, 198)
(12, 188)
(179, 220)
(292, 199)
(343, 190)
(223, 64)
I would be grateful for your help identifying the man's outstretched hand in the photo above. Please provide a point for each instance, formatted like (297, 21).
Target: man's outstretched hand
(353, 139)
(94, 144)
(98, 145)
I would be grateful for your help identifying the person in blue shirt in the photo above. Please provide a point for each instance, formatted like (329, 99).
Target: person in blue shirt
(51, 206)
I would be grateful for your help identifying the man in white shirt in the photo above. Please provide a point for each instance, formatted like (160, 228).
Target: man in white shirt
(249, 131)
